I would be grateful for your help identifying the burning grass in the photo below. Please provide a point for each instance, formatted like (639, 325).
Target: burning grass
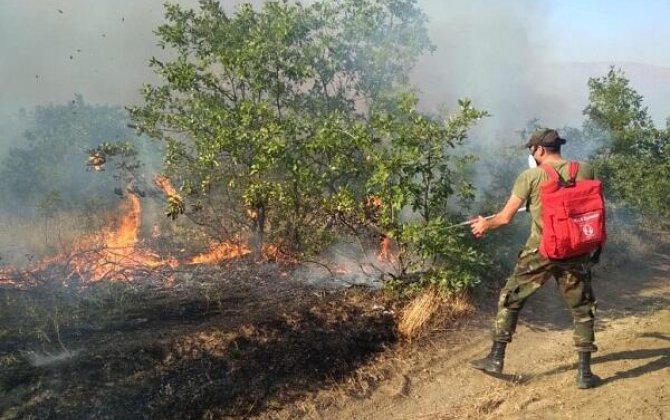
(110, 328)
(114, 253)
(221, 252)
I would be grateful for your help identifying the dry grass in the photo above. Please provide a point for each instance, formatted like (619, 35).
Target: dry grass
(459, 306)
(431, 307)
(418, 312)
(29, 239)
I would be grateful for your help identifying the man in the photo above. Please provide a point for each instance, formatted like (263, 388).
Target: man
(532, 269)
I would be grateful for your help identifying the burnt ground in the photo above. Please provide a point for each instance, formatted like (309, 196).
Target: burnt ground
(243, 341)
(247, 342)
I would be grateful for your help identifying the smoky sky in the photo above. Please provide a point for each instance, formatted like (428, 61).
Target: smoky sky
(497, 53)
(486, 51)
(54, 49)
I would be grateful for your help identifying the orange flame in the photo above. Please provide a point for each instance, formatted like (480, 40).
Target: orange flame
(119, 253)
(114, 254)
(164, 184)
(221, 252)
(126, 235)
(110, 254)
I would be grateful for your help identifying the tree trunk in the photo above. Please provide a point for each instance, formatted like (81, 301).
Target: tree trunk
(258, 232)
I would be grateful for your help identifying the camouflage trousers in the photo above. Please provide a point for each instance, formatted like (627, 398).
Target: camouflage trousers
(573, 278)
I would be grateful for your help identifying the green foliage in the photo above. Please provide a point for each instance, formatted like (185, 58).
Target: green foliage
(414, 164)
(283, 122)
(49, 161)
(636, 158)
(265, 109)
(616, 107)
(433, 255)
(416, 175)
(124, 149)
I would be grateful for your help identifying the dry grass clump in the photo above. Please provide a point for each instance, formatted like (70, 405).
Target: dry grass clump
(429, 308)
(459, 306)
(415, 316)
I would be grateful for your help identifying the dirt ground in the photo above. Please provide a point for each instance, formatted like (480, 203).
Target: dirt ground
(633, 334)
(252, 344)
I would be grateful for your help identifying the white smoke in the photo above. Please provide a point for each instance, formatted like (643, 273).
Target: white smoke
(497, 53)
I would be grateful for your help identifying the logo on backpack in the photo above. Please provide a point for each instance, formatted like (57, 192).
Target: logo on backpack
(588, 230)
(573, 215)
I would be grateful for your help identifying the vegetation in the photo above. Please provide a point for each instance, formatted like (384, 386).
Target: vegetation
(291, 124)
(292, 127)
(636, 155)
(43, 171)
(295, 125)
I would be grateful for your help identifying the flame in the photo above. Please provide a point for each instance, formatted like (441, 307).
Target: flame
(118, 253)
(373, 201)
(221, 252)
(110, 254)
(164, 184)
(115, 252)
(126, 235)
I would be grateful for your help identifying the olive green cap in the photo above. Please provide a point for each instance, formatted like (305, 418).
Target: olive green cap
(545, 137)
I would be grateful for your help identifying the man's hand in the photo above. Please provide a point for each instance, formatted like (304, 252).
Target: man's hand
(479, 226)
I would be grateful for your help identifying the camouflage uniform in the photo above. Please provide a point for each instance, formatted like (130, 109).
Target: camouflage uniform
(531, 272)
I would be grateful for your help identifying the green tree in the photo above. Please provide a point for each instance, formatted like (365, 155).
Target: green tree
(417, 175)
(277, 121)
(635, 159)
(616, 107)
(264, 111)
(49, 159)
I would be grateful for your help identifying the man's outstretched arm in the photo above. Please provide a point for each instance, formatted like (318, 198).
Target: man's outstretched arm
(480, 225)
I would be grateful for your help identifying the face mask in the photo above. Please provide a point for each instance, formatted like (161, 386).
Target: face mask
(531, 162)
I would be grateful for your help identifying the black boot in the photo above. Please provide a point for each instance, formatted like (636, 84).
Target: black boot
(493, 363)
(585, 378)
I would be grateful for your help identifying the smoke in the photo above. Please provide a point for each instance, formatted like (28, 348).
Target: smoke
(53, 50)
(504, 56)
(497, 53)
(47, 359)
(485, 51)
(345, 264)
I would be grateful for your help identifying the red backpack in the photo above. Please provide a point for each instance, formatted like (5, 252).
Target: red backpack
(573, 214)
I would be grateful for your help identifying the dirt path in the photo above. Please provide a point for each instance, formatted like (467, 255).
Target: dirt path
(633, 334)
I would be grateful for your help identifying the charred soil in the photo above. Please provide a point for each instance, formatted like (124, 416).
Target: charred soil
(244, 341)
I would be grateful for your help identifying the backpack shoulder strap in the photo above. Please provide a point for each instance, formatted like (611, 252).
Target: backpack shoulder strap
(554, 176)
(551, 172)
(574, 169)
